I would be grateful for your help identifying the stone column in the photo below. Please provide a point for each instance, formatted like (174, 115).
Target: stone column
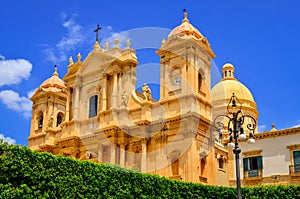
(162, 80)
(144, 155)
(104, 95)
(184, 80)
(100, 152)
(115, 90)
(76, 103)
(112, 154)
(195, 74)
(67, 118)
(122, 154)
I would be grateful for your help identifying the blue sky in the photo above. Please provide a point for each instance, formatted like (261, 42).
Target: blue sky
(261, 39)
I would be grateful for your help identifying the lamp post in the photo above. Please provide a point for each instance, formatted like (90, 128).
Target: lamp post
(236, 119)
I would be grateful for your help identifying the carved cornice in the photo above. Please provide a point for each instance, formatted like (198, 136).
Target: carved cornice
(68, 139)
(293, 147)
(252, 153)
(272, 134)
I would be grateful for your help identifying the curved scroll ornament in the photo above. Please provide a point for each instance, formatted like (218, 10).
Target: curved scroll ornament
(219, 123)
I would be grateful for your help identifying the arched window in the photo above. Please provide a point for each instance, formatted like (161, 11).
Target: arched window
(59, 119)
(221, 163)
(202, 164)
(175, 72)
(40, 120)
(93, 106)
(199, 81)
(175, 167)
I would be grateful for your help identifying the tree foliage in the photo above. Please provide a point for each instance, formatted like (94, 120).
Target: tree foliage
(29, 174)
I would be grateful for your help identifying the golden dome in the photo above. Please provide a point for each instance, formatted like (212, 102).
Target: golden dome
(225, 89)
(185, 28)
(54, 83)
(187, 31)
(228, 66)
(229, 85)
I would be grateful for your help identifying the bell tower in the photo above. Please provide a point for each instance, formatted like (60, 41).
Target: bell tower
(185, 62)
(48, 112)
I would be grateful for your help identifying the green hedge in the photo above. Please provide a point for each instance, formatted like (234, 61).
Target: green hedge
(29, 174)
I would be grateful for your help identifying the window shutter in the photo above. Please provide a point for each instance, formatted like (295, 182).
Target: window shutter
(259, 162)
(96, 105)
(93, 106)
(245, 163)
(296, 155)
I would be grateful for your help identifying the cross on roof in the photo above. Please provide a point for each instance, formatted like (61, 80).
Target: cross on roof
(96, 31)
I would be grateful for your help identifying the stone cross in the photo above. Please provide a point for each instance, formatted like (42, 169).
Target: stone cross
(96, 31)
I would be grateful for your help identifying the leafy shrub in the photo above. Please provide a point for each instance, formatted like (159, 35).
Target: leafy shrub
(29, 174)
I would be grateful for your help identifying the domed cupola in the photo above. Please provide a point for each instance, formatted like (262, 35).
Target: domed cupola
(54, 83)
(228, 71)
(222, 92)
(186, 29)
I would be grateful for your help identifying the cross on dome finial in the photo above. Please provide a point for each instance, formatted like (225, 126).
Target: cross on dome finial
(96, 31)
(185, 16)
(78, 57)
(55, 70)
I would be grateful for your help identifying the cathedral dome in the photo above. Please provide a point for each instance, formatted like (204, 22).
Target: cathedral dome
(186, 29)
(54, 83)
(222, 92)
(229, 85)
(225, 89)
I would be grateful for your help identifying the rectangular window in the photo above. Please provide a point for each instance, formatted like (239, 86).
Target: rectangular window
(93, 105)
(296, 157)
(253, 163)
(253, 166)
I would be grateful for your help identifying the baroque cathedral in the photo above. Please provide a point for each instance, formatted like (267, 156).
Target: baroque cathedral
(96, 113)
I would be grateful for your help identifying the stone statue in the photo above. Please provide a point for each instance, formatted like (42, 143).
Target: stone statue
(50, 122)
(124, 99)
(147, 92)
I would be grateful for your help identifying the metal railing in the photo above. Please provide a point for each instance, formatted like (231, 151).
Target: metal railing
(253, 173)
(294, 168)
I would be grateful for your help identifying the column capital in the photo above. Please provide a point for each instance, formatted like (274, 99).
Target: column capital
(144, 140)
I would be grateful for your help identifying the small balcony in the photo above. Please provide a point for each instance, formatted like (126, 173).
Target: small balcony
(294, 169)
(255, 173)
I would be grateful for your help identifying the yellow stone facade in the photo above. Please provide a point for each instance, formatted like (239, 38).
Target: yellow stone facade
(95, 111)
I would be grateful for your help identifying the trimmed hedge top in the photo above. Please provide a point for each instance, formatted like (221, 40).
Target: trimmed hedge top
(29, 174)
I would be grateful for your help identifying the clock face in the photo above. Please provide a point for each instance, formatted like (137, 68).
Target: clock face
(176, 81)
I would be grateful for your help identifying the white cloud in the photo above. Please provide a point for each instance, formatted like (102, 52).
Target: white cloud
(297, 124)
(16, 103)
(73, 37)
(9, 140)
(13, 71)
(49, 52)
(30, 93)
(262, 128)
(121, 36)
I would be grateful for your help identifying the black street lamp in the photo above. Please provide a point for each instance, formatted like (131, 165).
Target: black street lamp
(236, 119)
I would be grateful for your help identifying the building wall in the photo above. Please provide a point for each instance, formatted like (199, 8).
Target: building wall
(276, 148)
(276, 155)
